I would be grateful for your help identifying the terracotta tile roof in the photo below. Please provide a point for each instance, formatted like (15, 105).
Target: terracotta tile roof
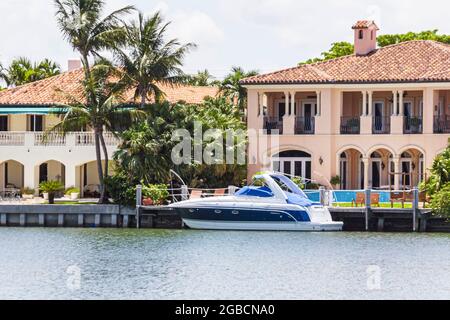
(413, 61)
(364, 24)
(45, 92)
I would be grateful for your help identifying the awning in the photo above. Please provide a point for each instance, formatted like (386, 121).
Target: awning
(28, 110)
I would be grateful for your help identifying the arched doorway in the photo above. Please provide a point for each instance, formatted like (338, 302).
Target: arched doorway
(11, 175)
(381, 167)
(52, 170)
(351, 169)
(294, 162)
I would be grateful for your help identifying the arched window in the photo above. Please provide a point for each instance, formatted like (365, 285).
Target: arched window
(293, 162)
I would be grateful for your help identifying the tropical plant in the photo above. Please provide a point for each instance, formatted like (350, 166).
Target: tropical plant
(104, 112)
(157, 192)
(440, 202)
(83, 26)
(340, 49)
(22, 71)
(335, 181)
(71, 190)
(148, 59)
(202, 79)
(27, 191)
(232, 89)
(51, 187)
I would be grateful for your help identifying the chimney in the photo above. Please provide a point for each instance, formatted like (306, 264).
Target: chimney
(73, 64)
(365, 37)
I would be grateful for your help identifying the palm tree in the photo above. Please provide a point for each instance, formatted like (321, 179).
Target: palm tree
(82, 24)
(105, 112)
(148, 59)
(22, 71)
(202, 79)
(231, 86)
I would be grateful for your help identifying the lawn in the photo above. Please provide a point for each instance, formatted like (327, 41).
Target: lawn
(382, 205)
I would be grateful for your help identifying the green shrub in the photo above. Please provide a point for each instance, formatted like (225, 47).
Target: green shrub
(121, 189)
(299, 182)
(51, 186)
(71, 190)
(335, 181)
(157, 192)
(440, 202)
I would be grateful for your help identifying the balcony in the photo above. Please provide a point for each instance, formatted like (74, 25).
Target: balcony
(412, 125)
(40, 139)
(381, 125)
(305, 125)
(273, 125)
(442, 124)
(350, 125)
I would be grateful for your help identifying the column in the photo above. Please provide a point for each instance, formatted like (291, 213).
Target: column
(29, 176)
(70, 176)
(319, 102)
(261, 104)
(370, 107)
(286, 104)
(395, 103)
(396, 120)
(364, 106)
(397, 177)
(430, 100)
(401, 107)
(292, 113)
(366, 173)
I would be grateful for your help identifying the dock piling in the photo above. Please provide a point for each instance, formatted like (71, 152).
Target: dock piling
(368, 207)
(415, 206)
(138, 205)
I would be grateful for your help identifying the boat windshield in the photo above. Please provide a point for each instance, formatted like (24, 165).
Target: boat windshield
(287, 185)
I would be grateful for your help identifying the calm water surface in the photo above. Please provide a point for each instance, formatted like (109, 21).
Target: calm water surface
(130, 264)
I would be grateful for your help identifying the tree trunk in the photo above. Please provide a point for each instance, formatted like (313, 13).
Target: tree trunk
(143, 99)
(99, 166)
(105, 153)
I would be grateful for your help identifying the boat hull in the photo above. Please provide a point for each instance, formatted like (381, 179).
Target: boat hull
(261, 225)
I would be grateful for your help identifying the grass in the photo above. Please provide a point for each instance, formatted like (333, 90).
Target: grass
(382, 205)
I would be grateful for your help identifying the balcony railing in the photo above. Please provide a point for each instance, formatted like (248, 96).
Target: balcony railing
(412, 125)
(88, 139)
(51, 139)
(12, 138)
(381, 125)
(305, 125)
(442, 124)
(350, 125)
(273, 125)
(41, 139)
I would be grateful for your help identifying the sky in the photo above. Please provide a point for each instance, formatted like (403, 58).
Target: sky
(265, 35)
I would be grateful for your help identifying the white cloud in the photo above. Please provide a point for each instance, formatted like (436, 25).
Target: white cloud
(198, 27)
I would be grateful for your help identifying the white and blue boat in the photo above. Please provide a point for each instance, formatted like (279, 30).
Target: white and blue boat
(272, 203)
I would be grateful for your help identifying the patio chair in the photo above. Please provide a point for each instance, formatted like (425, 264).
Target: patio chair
(196, 194)
(361, 199)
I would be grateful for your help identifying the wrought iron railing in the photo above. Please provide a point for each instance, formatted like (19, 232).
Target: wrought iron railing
(350, 125)
(412, 125)
(273, 125)
(442, 124)
(305, 125)
(381, 125)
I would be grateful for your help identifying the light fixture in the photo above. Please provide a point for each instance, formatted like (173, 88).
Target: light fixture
(383, 166)
(413, 166)
(321, 161)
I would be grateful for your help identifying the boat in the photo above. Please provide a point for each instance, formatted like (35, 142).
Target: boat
(272, 202)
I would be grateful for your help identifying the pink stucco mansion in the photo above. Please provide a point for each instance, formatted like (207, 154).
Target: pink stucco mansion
(362, 117)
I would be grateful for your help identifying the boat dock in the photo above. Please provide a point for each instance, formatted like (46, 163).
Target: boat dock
(114, 216)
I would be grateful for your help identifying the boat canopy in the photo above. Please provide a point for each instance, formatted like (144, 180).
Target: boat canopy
(279, 186)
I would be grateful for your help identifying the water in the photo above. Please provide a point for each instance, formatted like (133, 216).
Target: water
(182, 264)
